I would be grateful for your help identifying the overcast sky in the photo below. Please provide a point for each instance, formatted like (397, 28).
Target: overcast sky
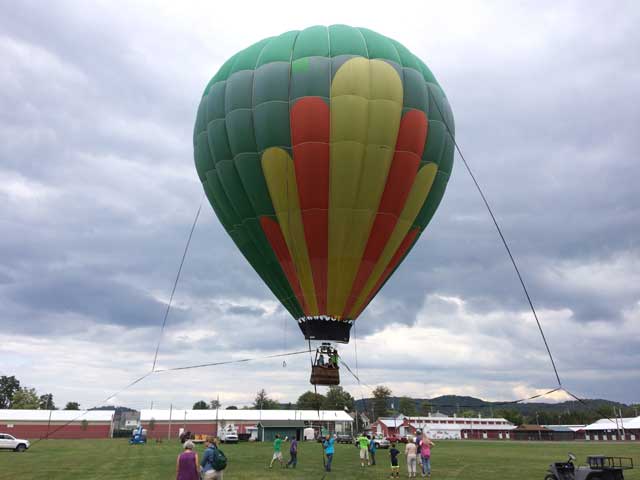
(98, 191)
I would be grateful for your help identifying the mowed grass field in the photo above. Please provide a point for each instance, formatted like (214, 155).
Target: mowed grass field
(473, 460)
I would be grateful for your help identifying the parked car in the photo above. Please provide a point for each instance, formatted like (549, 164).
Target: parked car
(343, 438)
(381, 442)
(394, 438)
(12, 443)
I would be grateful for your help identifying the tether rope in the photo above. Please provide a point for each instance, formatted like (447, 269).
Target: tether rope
(504, 241)
(175, 284)
(153, 372)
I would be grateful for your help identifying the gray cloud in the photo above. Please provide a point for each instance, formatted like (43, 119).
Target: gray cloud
(99, 191)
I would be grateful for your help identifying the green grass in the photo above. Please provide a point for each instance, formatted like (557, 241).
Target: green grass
(473, 460)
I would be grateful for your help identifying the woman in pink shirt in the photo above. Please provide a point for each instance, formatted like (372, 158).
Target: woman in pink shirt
(425, 455)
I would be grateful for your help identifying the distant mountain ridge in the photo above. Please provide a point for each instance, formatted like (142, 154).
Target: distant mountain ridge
(459, 404)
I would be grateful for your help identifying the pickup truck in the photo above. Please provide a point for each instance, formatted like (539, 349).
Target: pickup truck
(12, 443)
(230, 436)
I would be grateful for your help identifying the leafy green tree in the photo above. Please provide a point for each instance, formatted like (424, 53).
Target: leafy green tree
(25, 399)
(8, 387)
(469, 414)
(231, 407)
(381, 395)
(263, 402)
(425, 409)
(407, 406)
(511, 415)
(72, 406)
(215, 404)
(338, 399)
(201, 405)
(310, 401)
(46, 402)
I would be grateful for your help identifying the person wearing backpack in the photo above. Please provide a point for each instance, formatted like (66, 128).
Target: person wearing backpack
(214, 460)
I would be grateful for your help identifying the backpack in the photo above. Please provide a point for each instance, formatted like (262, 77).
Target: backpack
(219, 460)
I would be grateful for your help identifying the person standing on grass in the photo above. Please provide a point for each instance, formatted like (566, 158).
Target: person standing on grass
(293, 451)
(213, 461)
(411, 451)
(372, 451)
(395, 468)
(187, 467)
(425, 455)
(277, 451)
(328, 451)
(363, 445)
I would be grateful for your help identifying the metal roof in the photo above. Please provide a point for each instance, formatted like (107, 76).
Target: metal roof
(9, 415)
(565, 428)
(281, 423)
(390, 422)
(245, 415)
(459, 419)
(606, 424)
(531, 428)
(459, 425)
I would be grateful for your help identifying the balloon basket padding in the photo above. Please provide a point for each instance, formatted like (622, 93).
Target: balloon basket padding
(325, 329)
(325, 376)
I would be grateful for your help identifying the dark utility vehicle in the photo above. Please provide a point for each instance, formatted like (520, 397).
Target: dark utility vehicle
(599, 467)
(343, 438)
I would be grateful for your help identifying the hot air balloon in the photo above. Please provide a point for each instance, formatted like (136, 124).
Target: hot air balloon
(324, 153)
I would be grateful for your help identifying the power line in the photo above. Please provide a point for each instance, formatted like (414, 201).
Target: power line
(227, 362)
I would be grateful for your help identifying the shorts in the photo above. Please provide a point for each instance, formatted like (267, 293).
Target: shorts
(213, 475)
(277, 456)
(364, 454)
(394, 464)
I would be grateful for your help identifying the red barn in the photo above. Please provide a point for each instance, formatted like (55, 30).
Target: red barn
(387, 427)
(35, 424)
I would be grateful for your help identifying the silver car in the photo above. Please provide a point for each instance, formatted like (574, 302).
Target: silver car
(381, 442)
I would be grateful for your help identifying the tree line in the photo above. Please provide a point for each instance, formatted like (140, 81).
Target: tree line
(336, 399)
(17, 396)
(20, 397)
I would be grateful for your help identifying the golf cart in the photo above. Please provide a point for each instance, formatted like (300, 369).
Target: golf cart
(599, 467)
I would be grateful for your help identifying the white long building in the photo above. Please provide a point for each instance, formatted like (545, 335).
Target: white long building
(169, 423)
(612, 430)
(440, 426)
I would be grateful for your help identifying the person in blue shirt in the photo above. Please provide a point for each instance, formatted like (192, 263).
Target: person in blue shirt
(372, 451)
(328, 451)
(208, 458)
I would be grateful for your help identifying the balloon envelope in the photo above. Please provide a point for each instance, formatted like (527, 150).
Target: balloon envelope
(324, 153)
